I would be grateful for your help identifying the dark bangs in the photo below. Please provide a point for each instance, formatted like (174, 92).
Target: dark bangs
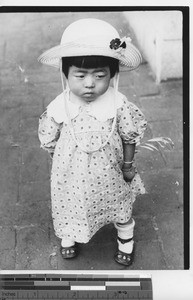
(90, 62)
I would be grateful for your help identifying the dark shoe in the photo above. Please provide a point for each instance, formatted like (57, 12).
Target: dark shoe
(123, 258)
(69, 252)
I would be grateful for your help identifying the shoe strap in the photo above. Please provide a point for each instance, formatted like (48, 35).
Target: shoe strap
(123, 241)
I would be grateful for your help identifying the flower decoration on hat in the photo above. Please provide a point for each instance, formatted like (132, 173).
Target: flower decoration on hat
(119, 45)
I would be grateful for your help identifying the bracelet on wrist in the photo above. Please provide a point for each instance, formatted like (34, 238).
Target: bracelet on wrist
(128, 162)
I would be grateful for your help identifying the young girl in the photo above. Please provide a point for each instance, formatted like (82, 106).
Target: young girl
(91, 130)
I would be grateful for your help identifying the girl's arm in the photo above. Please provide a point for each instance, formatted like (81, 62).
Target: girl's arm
(128, 156)
(131, 127)
(48, 132)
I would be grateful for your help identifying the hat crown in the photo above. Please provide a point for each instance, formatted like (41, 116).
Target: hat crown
(89, 30)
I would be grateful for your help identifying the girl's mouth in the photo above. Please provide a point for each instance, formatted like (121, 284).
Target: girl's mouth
(89, 94)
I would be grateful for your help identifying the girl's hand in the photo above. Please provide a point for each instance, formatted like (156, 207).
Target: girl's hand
(128, 174)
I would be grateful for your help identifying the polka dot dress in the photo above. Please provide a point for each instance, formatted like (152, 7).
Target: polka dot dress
(88, 190)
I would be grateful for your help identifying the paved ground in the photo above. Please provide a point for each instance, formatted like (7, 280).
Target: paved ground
(27, 240)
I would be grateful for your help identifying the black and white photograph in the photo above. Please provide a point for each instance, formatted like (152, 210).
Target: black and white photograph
(92, 120)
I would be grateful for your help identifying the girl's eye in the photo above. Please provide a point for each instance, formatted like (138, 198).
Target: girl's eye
(100, 75)
(79, 76)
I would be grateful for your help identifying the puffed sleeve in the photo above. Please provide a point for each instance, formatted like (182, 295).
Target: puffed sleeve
(131, 123)
(48, 132)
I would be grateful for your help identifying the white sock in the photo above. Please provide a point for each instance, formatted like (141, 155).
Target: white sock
(67, 243)
(127, 247)
(125, 231)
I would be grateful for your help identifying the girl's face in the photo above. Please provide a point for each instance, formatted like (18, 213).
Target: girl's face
(88, 84)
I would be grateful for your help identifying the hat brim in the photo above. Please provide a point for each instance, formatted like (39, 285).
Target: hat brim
(129, 57)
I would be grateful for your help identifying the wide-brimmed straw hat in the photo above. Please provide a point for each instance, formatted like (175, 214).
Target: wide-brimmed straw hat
(90, 36)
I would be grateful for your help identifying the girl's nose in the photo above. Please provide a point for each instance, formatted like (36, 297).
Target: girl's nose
(89, 82)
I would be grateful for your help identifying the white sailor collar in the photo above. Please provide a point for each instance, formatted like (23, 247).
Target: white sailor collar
(102, 108)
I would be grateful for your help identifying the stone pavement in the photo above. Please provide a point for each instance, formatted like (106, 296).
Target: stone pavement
(27, 240)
